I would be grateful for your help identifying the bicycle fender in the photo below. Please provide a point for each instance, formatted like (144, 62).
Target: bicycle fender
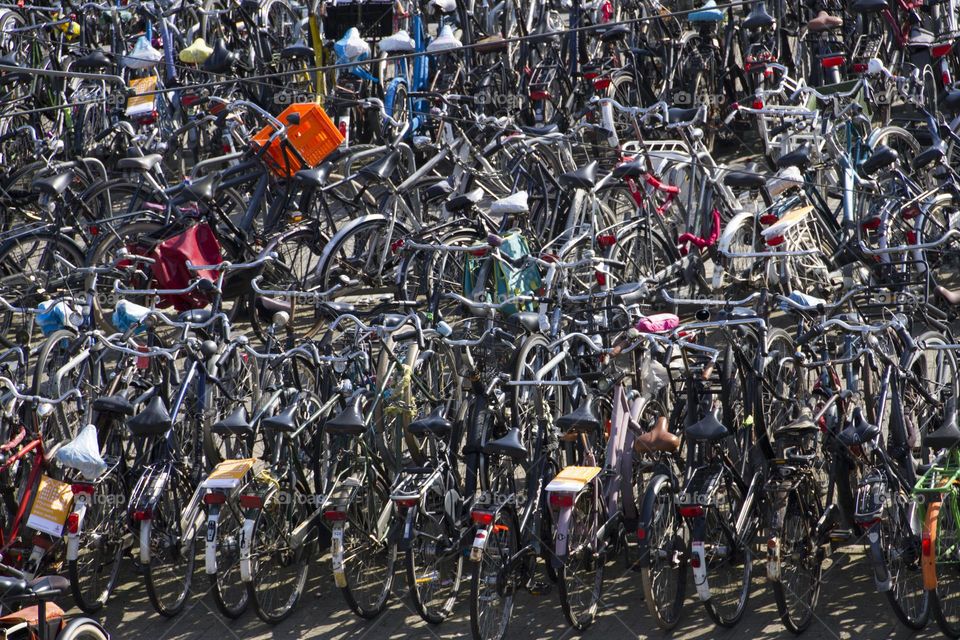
(336, 556)
(391, 93)
(880, 574)
(726, 239)
(210, 550)
(699, 562)
(145, 543)
(561, 536)
(246, 568)
(73, 539)
(646, 517)
(343, 231)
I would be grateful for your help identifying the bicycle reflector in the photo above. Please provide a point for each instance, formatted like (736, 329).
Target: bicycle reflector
(73, 523)
(691, 511)
(250, 501)
(334, 516)
(214, 497)
(141, 515)
(483, 518)
(407, 502)
(561, 500)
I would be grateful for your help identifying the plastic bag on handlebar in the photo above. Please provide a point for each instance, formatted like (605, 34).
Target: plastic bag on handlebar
(57, 315)
(83, 454)
(653, 376)
(512, 281)
(199, 245)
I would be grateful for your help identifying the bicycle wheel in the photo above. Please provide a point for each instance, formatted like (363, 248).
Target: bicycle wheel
(663, 568)
(491, 595)
(900, 548)
(169, 573)
(798, 589)
(581, 575)
(229, 591)
(945, 532)
(279, 570)
(93, 575)
(729, 562)
(52, 378)
(367, 558)
(82, 629)
(434, 561)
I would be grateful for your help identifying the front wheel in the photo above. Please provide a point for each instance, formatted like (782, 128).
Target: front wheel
(729, 561)
(801, 564)
(663, 563)
(169, 571)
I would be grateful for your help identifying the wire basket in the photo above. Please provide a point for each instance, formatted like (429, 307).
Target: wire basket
(374, 19)
(315, 138)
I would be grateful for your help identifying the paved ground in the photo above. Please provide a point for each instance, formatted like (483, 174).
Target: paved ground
(850, 608)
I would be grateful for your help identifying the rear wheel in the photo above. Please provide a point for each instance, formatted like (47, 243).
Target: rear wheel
(664, 569)
(946, 534)
(729, 563)
(492, 593)
(581, 576)
(169, 574)
(798, 589)
(434, 562)
(229, 591)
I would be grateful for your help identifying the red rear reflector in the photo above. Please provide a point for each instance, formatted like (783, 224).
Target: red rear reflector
(601, 83)
(768, 218)
(831, 61)
(539, 95)
(926, 545)
(695, 561)
(606, 240)
(561, 500)
(94, 230)
(758, 104)
(775, 241)
(407, 502)
(343, 128)
(601, 278)
(82, 488)
(215, 497)
(483, 518)
(590, 75)
(335, 516)
(142, 514)
(73, 523)
(911, 213)
(871, 224)
(251, 502)
(859, 67)
(693, 511)
(912, 237)
(940, 50)
(641, 534)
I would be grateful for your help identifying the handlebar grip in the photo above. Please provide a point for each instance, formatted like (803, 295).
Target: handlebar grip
(816, 332)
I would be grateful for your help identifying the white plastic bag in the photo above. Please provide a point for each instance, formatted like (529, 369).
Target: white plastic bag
(83, 454)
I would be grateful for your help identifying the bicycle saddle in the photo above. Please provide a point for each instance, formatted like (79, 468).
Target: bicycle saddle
(709, 429)
(53, 185)
(445, 41)
(316, 177)
(379, 170)
(9, 60)
(139, 164)
(349, 421)
(221, 60)
(143, 56)
(399, 42)
(508, 445)
(681, 114)
(283, 422)
(516, 203)
(582, 420)
(803, 424)
(491, 44)
(867, 6)
(947, 435)
(201, 189)
(799, 157)
(544, 130)
(744, 180)
(882, 156)
(196, 53)
(529, 320)
(433, 423)
(117, 405)
(195, 316)
(438, 191)
(758, 18)
(154, 420)
(657, 439)
(932, 154)
(615, 34)
(920, 37)
(635, 169)
(858, 431)
(707, 13)
(583, 178)
(298, 49)
(94, 60)
(824, 22)
(786, 179)
(464, 201)
(235, 424)
(43, 588)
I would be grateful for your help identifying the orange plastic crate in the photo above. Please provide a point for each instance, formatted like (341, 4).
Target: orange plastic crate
(315, 138)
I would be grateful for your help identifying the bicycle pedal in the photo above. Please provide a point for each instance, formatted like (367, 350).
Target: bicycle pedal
(538, 588)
